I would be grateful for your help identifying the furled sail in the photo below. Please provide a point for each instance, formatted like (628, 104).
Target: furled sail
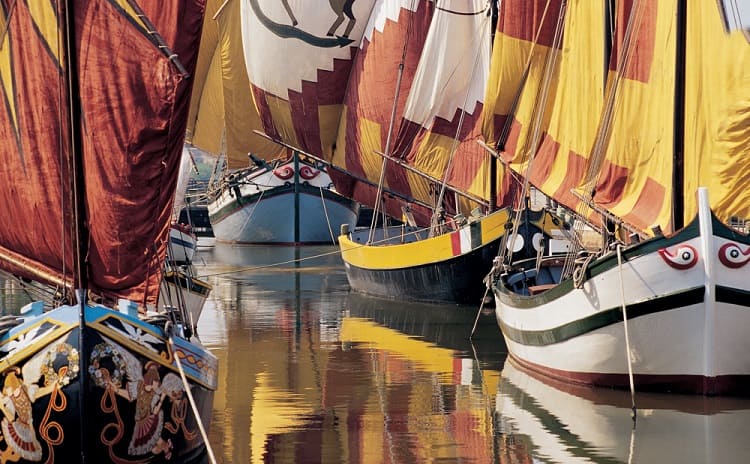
(444, 51)
(710, 136)
(129, 193)
(223, 118)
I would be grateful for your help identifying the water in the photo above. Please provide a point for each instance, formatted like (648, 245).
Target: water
(313, 373)
(310, 373)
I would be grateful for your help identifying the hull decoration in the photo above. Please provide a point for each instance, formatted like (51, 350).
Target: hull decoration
(445, 268)
(136, 407)
(687, 311)
(253, 206)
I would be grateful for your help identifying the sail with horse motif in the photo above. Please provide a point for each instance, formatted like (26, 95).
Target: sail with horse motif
(251, 85)
(96, 99)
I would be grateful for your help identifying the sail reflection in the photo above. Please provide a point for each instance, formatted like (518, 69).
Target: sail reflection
(311, 373)
(540, 421)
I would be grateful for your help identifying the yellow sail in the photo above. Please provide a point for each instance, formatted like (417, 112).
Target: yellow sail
(717, 129)
(223, 116)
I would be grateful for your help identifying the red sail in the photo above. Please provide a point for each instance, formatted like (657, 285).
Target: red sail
(134, 100)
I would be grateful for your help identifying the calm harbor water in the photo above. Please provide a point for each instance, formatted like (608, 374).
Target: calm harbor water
(311, 373)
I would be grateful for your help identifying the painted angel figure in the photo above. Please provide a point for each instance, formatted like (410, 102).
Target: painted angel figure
(17, 426)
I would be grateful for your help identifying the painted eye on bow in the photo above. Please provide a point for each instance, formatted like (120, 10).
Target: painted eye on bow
(732, 256)
(284, 172)
(682, 257)
(306, 172)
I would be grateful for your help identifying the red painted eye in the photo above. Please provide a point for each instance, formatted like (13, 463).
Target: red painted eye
(307, 172)
(682, 257)
(731, 255)
(284, 172)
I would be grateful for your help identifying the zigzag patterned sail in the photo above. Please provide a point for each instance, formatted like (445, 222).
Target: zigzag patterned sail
(128, 194)
(223, 118)
(299, 55)
(444, 50)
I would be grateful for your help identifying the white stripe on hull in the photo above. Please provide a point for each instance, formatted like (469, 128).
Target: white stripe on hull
(703, 337)
(271, 220)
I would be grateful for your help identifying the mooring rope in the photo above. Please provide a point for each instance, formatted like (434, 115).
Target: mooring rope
(169, 331)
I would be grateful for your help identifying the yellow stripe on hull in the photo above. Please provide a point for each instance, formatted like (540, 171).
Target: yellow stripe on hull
(418, 253)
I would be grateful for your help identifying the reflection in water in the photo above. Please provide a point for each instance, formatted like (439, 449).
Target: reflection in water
(312, 373)
(543, 421)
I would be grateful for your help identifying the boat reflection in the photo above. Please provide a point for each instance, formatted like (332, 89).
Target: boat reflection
(543, 421)
(312, 373)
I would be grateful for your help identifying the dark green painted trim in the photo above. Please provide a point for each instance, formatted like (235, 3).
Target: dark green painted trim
(722, 230)
(602, 319)
(733, 296)
(598, 267)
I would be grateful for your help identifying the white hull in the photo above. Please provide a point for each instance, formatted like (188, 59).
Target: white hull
(182, 245)
(687, 327)
(272, 209)
(188, 292)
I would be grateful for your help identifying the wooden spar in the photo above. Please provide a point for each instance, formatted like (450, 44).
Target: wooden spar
(344, 171)
(516, 176)
(606, 213)
(468, 195)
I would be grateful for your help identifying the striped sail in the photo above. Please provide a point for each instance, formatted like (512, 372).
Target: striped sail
(561, 160)
(298, 55)
(223, 118)
(635, 180)
(717, 129)
(394, 36)
(444, 49)
(522, 81)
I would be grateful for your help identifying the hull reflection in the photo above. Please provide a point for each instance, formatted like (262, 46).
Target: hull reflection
(555, 422)
(312, 373)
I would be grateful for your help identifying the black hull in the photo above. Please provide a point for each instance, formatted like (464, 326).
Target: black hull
(457, 280)
(115, 398)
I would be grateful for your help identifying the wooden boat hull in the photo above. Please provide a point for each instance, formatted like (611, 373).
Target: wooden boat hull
(447, 268)
(110, 392)
(687, 310)
(182, 245)
(270, 208)
(183, 290)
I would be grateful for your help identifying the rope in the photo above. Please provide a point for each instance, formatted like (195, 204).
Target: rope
(627, 337)
(325, 212)
(297, 260)
(189, 393)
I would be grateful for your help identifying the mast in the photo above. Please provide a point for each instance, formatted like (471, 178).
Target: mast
(492, 206)
(678, 161)
(79, 204)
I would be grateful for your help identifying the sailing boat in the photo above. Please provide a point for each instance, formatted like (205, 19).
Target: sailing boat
(431, 166)
(94, 128)
(659, 305)
(261, 193)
